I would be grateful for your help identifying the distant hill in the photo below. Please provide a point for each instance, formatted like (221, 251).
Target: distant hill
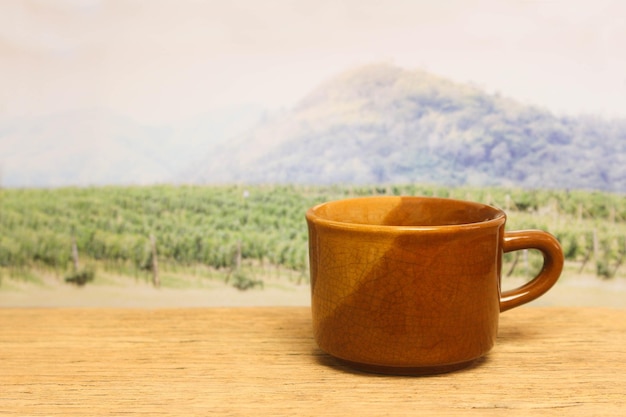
(100, 147)
(375, 124)
(381, 123)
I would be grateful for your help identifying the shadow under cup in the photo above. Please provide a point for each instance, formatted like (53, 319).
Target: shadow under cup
(411, 285)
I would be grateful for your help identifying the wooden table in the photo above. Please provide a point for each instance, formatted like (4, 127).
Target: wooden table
(263, 361)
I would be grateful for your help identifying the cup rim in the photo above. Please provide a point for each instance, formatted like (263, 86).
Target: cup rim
(497, 219)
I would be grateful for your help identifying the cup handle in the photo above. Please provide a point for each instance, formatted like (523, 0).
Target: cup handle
(552, 266)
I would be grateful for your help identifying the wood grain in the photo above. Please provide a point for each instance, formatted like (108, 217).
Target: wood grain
(263, 361)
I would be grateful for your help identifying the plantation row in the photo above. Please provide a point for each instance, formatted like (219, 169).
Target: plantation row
(219, 226)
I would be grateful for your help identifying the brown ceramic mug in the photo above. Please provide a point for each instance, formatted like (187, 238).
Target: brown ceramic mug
(411, 285)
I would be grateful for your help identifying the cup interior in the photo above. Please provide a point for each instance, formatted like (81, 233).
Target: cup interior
(404, 212)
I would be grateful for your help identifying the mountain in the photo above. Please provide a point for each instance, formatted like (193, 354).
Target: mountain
(101, 147)
(375, 124)
(382, 123)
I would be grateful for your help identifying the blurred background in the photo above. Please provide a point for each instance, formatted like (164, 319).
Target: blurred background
(164, 152)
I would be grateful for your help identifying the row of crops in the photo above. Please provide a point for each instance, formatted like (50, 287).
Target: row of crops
(222, 226)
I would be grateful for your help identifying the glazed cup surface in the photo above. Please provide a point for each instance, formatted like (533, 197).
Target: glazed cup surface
(411, 285)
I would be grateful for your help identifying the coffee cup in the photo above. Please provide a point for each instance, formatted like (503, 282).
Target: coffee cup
(412, 285)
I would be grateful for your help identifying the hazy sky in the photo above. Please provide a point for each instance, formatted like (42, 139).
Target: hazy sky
(164, 60)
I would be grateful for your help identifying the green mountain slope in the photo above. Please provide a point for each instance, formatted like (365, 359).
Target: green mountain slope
(381, 124)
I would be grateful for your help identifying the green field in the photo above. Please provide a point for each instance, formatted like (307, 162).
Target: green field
(243, 234)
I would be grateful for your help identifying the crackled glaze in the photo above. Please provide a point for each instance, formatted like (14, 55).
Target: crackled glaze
(411, 285)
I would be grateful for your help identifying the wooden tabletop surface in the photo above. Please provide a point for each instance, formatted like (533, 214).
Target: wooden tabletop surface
(263, 361)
